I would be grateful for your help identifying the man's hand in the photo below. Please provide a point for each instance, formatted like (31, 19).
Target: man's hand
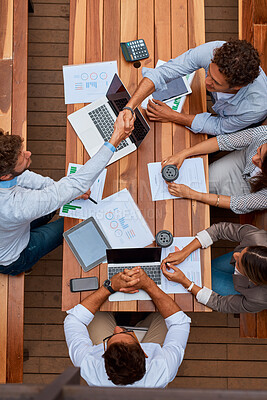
(175, 258)
(128, 280)
(159, 111)
(179, 190)
(176, 159)
(120, 133)
(129, 119)
(84, 196)
(173, 273)
(144, 282)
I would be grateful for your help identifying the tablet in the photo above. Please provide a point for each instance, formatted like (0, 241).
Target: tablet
(175, 88)
(88, 243)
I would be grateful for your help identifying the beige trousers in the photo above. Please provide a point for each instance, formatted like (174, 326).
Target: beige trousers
(104, 323)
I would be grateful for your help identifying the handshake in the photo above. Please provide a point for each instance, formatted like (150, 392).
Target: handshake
(131, 280)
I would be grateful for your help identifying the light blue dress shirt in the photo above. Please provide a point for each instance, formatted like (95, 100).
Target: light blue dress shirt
(246, 107)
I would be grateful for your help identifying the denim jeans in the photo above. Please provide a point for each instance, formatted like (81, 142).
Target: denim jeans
(222, 275)
(44, 237)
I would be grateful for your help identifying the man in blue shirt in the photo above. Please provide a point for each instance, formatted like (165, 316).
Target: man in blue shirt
(234, 79)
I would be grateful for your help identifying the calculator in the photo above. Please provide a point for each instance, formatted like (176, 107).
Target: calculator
(134, 50)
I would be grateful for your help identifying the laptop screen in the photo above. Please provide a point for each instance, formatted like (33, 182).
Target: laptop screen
(116, 86)
(139, 255)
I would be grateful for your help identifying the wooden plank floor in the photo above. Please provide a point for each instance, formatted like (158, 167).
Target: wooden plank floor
(215, 357)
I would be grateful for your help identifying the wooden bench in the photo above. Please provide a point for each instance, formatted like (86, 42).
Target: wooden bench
(13, 117)
(253, 28)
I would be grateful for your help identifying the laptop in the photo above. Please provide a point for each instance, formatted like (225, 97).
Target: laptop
(147, 258)
(94, 123)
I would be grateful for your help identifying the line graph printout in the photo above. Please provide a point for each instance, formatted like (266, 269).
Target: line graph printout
(191, 266)
(122, 222)
(85, 83)
(191, 174)
(83, 209)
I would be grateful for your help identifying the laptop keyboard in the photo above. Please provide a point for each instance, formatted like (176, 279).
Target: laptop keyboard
(153, 271)
(105, 124)
(139, 131)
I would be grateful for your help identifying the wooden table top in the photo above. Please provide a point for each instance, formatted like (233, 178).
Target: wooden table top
(169, 28)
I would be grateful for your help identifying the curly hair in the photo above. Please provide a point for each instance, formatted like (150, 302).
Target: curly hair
(259, 181)
(238, 61)
(254, 262)
(125, 364)
(10, 147)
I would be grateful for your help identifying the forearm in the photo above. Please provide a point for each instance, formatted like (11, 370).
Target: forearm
(211, 199)
(95, 300)
(205, 147)
(192, 246)
(144, 89)
(183, 119)
(162, 301)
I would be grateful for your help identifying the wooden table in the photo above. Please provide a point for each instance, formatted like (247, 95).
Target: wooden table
(169, 27)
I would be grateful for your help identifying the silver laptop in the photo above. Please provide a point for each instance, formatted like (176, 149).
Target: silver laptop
(147, 258)
(94, 123)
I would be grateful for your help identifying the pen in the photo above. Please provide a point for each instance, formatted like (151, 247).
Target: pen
(92, 200)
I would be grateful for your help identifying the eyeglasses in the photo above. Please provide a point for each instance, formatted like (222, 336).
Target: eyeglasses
(125, 331)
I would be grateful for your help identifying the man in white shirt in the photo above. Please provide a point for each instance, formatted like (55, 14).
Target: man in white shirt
(120, 359)
(28, 201)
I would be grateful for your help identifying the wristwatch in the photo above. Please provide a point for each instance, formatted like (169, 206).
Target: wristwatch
(107, 285)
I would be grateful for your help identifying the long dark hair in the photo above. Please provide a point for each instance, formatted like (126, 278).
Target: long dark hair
(259, 181)
(254, 262)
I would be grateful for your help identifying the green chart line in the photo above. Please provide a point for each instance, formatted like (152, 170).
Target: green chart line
(68, 207)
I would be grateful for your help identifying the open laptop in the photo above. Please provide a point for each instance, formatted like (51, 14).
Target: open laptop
(147, 258)
(94, 123)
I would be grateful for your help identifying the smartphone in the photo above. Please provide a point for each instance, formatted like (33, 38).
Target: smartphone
(84, 284)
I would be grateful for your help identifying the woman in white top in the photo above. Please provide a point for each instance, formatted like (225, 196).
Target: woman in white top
(237, 181)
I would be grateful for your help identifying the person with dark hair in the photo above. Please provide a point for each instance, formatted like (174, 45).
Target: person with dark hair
(110, 355)
(237, 181)
(234, 80)
(239, 278)
(28, 201)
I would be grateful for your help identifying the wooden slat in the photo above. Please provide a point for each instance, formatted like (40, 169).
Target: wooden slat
(93, 43)
(111, 37)
(197, 101)
(181, 137)
(146, 151)
(248, 325)
(77, 39)
(128, 74)
(245, 20)
(6, 49)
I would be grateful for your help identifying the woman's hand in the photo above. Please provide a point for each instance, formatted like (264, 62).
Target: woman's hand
(176, 159)
(179, 190)
(173, 273)
(159, 111)
(175, 258)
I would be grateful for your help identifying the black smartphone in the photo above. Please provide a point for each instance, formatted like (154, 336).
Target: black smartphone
(84, 284)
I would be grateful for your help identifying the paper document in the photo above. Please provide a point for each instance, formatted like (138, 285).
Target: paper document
(85, 83)
(83, 209)
(122, 222)
(191, 174)
(191, 266)
(175, 104)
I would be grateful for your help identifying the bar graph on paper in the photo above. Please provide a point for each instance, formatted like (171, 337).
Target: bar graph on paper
(83, 209)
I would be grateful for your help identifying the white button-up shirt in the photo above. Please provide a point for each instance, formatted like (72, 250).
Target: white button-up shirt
(161, 365)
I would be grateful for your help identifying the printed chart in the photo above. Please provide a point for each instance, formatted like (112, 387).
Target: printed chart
(87, 82)
(83, 209)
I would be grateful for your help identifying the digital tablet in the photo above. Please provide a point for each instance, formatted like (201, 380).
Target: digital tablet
(88, 243)
(175, 88)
